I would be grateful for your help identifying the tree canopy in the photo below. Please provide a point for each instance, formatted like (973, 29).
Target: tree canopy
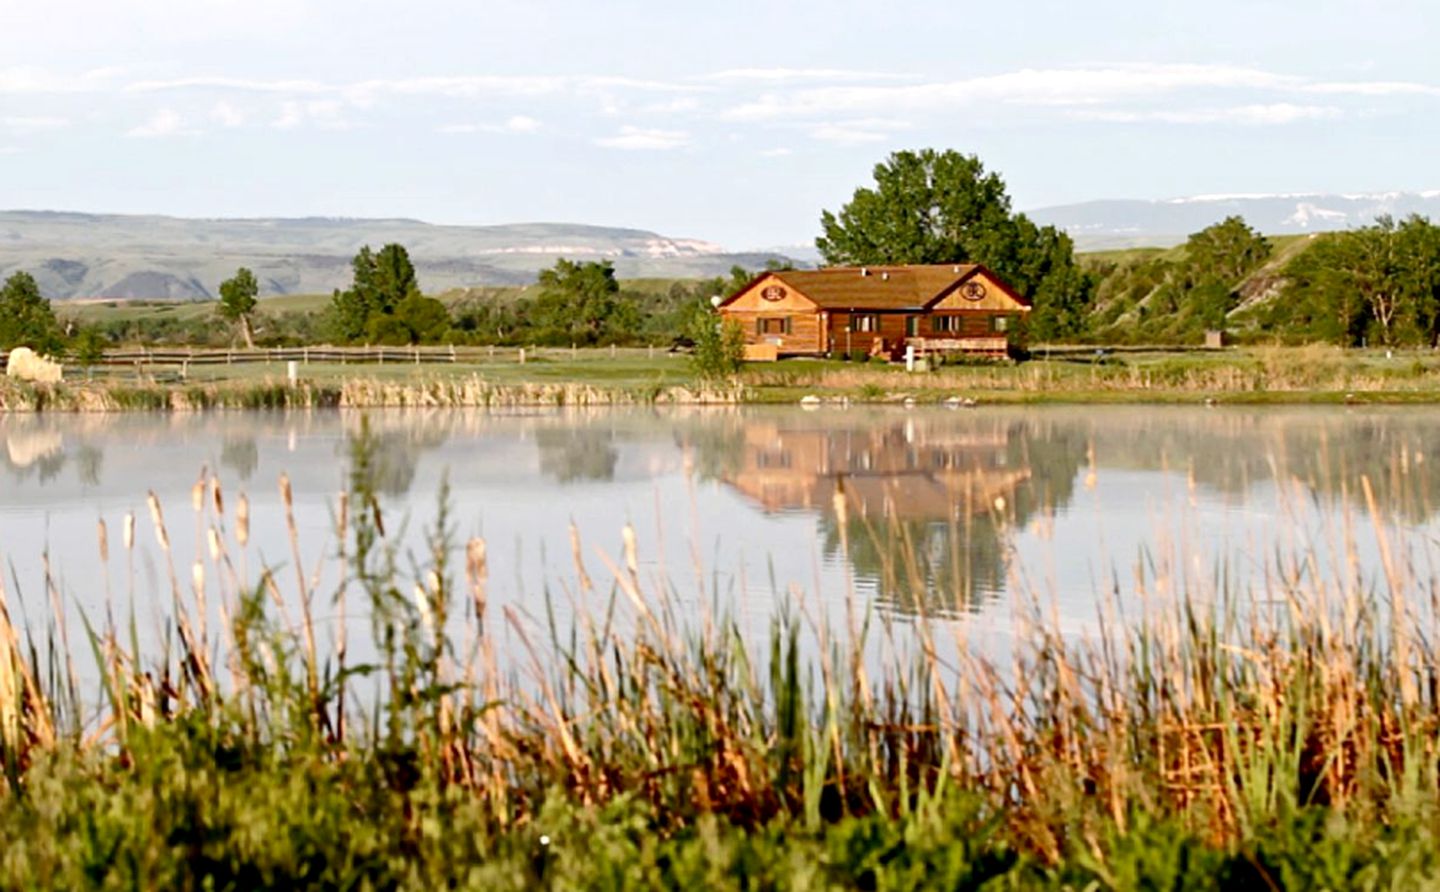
(383, 304)
(581, 303)
(931, 206)
(26, 317)
(1379, 284)
(238, 299)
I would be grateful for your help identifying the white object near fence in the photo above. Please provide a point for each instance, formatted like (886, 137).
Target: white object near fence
(909, 357)
(292, 371)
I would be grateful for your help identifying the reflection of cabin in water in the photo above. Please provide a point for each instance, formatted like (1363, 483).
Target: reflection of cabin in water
(892, 472)
(878, 310)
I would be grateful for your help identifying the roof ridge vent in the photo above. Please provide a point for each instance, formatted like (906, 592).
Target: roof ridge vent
(885, 276)
(864, 270)
(955, 268)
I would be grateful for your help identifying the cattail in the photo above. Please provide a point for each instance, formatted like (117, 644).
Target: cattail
(632, 560)
(422, 603)
(214, 539)
(197, 494)
(286, 497)
(242, 520)
(575, 555)
(157, 517)
(197, 576)
(104, 540)
(842, 505)
(475, 560)
(129, 531)
(216, 497)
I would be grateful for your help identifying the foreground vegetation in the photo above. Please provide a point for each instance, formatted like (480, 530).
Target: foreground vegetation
(1213, 738)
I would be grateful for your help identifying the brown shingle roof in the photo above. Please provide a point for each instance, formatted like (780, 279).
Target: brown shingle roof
(880, 287)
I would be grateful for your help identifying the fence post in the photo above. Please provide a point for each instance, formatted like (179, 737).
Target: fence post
(612, 351)
(522, 355)
(417, 354)
(305, 354)
(452, 354)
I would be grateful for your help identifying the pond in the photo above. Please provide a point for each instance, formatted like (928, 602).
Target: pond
(948, 514)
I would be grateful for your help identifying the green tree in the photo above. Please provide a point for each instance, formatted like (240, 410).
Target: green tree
(89, 348)
(26, 317)
(1225, 253)
(383, 303)
(237, 302)
(1380, 284)
(944, 207)
(580, 303)
(719, 345)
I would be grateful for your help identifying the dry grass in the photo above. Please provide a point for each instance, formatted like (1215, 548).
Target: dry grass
(1218, 709)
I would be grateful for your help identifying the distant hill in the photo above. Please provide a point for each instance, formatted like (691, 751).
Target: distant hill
(76, 255)
(1101, 225)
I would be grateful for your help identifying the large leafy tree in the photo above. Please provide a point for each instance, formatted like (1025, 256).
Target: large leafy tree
(580, 303)
(26, 317)
(1378, 284)
(237, 302)
(1225, 253)
(383, 303)
(931, 206)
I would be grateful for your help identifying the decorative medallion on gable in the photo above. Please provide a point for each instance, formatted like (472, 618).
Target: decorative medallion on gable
(774, 293)
(973, 290)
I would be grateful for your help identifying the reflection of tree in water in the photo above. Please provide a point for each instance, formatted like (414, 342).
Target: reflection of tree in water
(952, 561)
(570, 454)
(396, 453)
(89, 459)
(1330, 453)
(718, 446)
(241, 455)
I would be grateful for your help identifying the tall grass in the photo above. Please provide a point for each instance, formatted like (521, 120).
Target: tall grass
(1287, 736)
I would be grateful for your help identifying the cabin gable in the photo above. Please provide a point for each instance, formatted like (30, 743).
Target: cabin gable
(980, 291)
(769, 294)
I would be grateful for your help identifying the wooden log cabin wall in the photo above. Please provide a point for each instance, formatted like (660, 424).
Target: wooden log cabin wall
(949, 308)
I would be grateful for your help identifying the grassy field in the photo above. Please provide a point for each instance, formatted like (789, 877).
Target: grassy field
(601, 376)
(1221, 739)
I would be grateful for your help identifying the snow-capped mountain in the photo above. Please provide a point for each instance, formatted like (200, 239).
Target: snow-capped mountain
(1122, 223)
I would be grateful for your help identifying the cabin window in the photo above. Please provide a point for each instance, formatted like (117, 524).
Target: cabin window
(946, 324)
(865, 322)
(1000, 324)
(773, 326)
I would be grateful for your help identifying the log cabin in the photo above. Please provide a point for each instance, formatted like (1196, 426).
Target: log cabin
(880, 310)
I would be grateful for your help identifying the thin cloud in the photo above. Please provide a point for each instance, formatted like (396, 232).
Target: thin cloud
(227, 115)
(1372, 88)
(1249, 115)
(788, 75)
(516, 124)
(777, 152)
(1030, 86)
(166, 122)
(324, 114)
(32, 124)
(645, 139)
(846, 135)
(231, 84)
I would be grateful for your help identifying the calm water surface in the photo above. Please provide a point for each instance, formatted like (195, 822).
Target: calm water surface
(922, 512)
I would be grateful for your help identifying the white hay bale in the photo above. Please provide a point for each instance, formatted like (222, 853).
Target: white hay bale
(27, 365)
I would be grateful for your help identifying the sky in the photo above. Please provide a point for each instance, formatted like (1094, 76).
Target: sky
(735, 122)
